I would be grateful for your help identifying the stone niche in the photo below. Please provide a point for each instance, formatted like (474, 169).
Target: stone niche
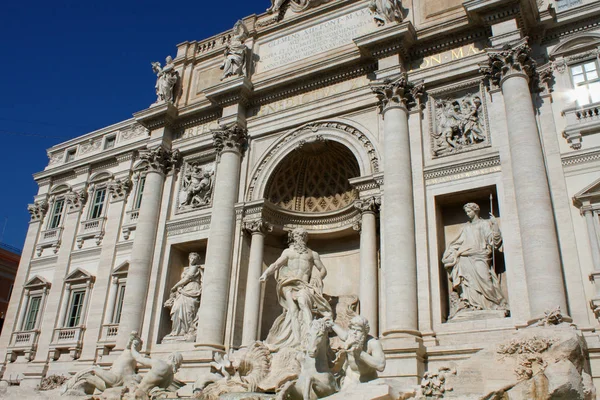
(178, 260)
(339, 252)
(450, 220)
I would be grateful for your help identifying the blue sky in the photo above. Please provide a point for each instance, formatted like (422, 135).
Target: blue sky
(68, 68)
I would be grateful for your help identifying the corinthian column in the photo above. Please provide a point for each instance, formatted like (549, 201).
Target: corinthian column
(159, 162)
(230, 143)
(511, 68)
(368, 286)
(258, 229)
(396, 97)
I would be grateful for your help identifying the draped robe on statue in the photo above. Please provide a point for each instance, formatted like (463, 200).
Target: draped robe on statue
(281, 334)
(467, 260)
(185, 305)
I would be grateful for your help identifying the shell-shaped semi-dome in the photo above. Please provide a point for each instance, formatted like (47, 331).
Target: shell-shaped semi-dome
(314, 178)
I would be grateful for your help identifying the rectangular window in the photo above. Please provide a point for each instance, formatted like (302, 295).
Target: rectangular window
(33, 310)
(70, 155)
(139, 193)
(586, 82)
(109, 143)
(98, 203)
(75, 309)
(57, 212)
(119, 304)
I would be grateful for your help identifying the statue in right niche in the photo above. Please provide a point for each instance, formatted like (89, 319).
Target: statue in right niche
(468, 260)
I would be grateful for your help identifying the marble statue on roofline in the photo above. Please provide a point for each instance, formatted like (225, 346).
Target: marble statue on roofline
(166, 79)
(236, 52)
(386, 11)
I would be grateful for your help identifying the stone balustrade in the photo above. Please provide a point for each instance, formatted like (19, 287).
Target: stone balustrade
(581, 121)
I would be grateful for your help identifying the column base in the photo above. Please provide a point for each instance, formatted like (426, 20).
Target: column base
(405, 359)
(210, 347)
(401, 333)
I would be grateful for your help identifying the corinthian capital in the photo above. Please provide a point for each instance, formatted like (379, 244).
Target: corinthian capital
(76, 199)
(119, 189)
(38, 210)
(398, 92)
(258, 226)
(511, 59)
(230, 138)
(160, 159)
(371, 204)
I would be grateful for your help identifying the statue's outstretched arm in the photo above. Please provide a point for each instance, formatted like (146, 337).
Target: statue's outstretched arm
(140, 359)
(281, 261)
(341, 332)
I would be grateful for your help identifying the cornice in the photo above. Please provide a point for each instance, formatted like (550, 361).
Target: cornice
(92, 135)
(580, 158)
(93, 159)
(196, 224)
(454, 171)
(192, 117)
(157, 116)
(391, 38)
(423, 48)
(230, 91)
(568, 27)
(317, 82)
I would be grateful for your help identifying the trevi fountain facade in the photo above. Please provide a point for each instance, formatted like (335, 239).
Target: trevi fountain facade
(371, 199)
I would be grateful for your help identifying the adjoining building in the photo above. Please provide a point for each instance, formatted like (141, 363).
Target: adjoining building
(370, 124)
(9, 262)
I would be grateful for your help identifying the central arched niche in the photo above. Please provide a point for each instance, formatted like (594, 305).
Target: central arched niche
(314, 178)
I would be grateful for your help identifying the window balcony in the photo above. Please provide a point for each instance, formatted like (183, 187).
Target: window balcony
(581, 121)
(67, 339)
(91, 229)
(131, 219)
(50, 238)
(109, 334)
(22, 343)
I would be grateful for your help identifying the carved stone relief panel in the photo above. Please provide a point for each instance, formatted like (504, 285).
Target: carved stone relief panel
(459, 121)
(197, 184)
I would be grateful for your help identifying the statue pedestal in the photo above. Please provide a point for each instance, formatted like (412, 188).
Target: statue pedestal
(178, 339)
(475, 315)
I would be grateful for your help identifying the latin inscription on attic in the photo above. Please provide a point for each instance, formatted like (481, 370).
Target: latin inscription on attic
(314, 40)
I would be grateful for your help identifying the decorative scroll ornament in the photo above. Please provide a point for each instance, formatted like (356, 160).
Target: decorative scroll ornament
(38, 210)
(119, 189)
(76, 199)
(197, 186)
(230, 138)
(258, 226)
(166, 79)
(510, 59)
(296, 5)
(371, 204)
(386, 11)
(398, 92)
(160, 159)
(236, 52)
